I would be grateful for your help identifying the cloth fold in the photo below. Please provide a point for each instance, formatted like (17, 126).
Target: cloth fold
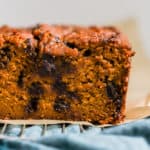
(132, 136)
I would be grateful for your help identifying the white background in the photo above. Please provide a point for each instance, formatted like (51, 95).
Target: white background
(28, 12)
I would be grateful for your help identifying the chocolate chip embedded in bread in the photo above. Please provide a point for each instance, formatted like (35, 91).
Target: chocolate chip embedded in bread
(60, 105)
(59, 86)
(87, 53)
(29, 50)
(32, 105)
(5, 57)
(36, 89)
(70, 45)
(20, 79)
(46, 68)
(112, 91)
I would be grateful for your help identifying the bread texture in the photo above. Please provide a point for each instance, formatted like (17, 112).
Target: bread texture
(64, 72)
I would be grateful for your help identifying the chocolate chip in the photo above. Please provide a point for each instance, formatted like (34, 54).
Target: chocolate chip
(112, 91)
(61, 105)
(5, 57)
(32, 105)
(36, 37)
(111, 50)
(48, 57)
(29, 48)
(46, 68)
(59, 86)
(36, 89)
(106, 79)
(112, 62)
(70, 45)
(20, 79)
(87, 53)
(118, 104)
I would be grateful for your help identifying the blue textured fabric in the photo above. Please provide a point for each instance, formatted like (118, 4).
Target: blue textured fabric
(132, 136)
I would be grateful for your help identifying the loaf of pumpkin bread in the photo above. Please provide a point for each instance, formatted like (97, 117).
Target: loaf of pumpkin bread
(62, 72)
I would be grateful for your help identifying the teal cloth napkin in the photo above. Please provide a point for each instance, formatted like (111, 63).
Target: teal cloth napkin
(132, 136)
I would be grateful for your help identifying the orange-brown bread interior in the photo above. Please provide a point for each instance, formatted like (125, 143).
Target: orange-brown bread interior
(64, 73)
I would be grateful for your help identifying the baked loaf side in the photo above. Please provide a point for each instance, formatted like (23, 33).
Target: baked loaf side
(64, 72)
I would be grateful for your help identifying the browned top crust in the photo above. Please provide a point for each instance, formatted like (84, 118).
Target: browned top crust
(60, 40)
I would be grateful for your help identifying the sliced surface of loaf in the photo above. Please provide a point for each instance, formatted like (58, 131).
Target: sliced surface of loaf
(64, 72)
